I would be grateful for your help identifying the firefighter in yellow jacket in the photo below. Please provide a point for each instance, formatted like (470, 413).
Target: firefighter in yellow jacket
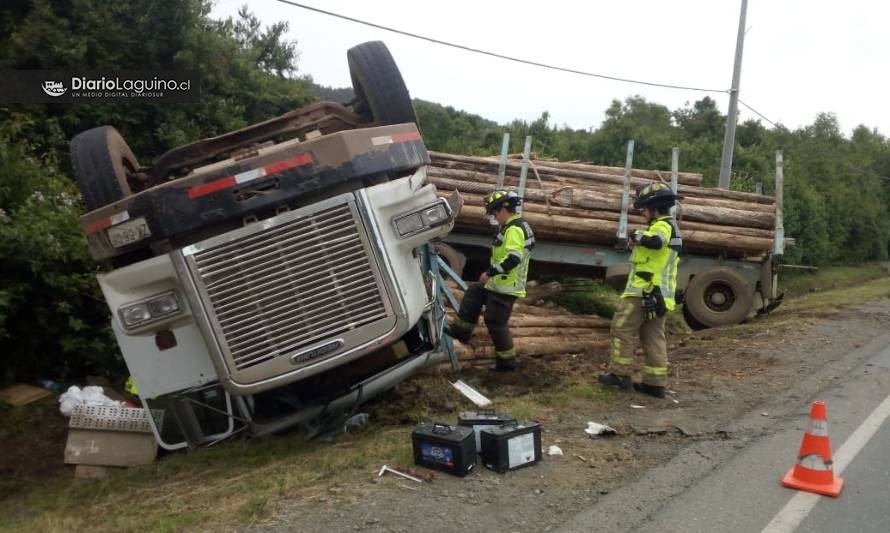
(648, 296)
(503, 282)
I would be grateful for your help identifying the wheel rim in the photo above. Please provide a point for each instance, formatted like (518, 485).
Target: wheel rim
(719, 297)
(129, 175)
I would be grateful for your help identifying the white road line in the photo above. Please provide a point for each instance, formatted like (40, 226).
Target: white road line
(802, 503)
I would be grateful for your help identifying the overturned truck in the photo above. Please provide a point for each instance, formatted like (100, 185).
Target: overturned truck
(276, 273)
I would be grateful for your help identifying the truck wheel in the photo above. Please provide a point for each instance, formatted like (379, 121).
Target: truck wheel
(717, 297)
(102, 164)
(691, 321)
(380, 91)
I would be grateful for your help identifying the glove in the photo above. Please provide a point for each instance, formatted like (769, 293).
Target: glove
(660, 307)
(636, 236)
(650, 305)
(653, 303)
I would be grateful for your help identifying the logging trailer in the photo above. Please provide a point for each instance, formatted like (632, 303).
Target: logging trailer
(715, 290)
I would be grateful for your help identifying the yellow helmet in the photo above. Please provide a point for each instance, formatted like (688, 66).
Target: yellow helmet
(654, 194)
(498, 199)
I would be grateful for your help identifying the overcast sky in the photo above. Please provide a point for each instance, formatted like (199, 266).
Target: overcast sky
(801, 56)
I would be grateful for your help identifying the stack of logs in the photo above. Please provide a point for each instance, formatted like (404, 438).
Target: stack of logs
(538, 330)
(580, 203)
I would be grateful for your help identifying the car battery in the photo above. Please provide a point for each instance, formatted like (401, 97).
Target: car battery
(511, 446)
(482, 419)
(451, 449)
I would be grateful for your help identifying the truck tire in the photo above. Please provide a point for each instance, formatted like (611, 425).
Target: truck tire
(380, 91)
(717, 297)
(102, 164)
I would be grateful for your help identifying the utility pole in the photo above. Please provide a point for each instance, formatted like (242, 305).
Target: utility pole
(732, 114)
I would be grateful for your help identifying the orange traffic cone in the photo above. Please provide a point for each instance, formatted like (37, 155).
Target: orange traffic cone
(813, 471)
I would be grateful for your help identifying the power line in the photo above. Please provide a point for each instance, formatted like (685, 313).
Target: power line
(516, 59)
(497, 55)
(758, 113)
(538, 64)
(844, 163)
(863, 171)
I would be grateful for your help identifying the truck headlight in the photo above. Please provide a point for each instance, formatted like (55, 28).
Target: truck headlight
(434, 216)
(409, 225)
(426, 218)
(149, 310)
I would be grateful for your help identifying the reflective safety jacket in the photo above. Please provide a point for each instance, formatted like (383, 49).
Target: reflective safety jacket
(657, 253)
(510, 253)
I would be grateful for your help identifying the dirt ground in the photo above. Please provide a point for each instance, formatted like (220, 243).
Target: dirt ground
(287, 484)
(716, 376)
(40, 455)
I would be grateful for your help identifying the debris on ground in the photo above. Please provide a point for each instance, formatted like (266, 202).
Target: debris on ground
(355, 421)
(595, 429)
(384, 469)
(22, 394)
(101, 435)
(89, 396)
(554, 450)
(472, 394)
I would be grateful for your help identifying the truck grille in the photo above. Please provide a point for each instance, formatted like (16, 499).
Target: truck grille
(288, 287)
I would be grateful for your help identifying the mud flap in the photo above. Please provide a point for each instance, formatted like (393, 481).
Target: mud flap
(772, 305)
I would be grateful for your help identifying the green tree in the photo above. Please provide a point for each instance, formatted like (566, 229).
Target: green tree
(53, 321)
(247, 73)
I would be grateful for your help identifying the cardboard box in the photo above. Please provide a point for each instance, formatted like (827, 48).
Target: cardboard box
(109, 436)
(109, 448)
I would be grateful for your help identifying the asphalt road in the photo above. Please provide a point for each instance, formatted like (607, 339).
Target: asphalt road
(733, 485)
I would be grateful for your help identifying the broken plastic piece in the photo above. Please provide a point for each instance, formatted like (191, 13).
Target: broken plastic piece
(472, 394)
(594, 429)
(384, 469)
(554, 450)
(355, 421)
(88, 396)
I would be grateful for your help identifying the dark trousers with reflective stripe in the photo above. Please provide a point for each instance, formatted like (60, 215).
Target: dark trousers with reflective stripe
(628, 327)
(498, 308)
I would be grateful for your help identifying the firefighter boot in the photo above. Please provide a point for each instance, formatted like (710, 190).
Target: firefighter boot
(651, 390)
(622, 382)
(503, 364)
(457, 329)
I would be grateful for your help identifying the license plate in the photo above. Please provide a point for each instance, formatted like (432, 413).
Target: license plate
(128, 232)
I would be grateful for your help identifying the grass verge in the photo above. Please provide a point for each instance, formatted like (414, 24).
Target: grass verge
(241, 482)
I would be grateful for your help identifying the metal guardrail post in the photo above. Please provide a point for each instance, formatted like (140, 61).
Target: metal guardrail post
(779, 232)
(675, 174)
(625, 195)
(523, 172)
(779, 239)
(502, 165)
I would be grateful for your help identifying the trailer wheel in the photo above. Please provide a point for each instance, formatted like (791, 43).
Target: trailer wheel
(103, 165)
(691, 321)
(380, 91)
(717, 297)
